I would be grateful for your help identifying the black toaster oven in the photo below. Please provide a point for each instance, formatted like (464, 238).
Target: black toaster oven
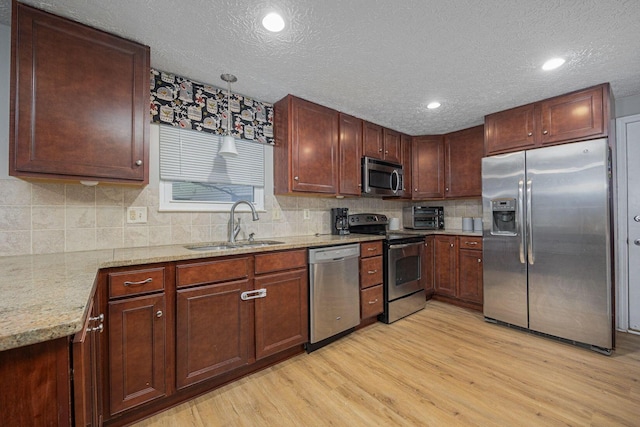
(423, 217)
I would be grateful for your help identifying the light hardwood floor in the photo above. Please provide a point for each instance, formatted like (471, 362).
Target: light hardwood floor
(443, 366)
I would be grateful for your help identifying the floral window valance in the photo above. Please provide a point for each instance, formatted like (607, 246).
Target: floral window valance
(181, 102)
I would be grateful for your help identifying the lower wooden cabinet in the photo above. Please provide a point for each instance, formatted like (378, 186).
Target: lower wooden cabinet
(137, 349)
(470, 276)
(371, 302)
(446, 265)
(428, 265)
(458, 270)
(282, 317)
(213, 327)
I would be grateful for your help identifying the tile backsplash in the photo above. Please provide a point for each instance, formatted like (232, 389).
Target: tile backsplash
(37, 218)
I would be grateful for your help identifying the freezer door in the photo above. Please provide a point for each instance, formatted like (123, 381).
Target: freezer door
(505, 268)
(569, 259)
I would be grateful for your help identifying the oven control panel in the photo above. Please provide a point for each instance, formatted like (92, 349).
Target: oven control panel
(368, 219)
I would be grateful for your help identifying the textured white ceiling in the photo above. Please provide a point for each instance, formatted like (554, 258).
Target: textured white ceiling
(384, 60)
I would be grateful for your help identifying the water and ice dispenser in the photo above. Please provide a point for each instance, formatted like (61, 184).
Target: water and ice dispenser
(503, 216)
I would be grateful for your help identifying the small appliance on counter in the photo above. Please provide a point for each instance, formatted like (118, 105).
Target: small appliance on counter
(340, 221)
(381, 178)
(423, 217)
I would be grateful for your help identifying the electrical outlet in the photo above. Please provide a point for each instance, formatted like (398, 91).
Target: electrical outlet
(137, 215)
(306, 214)
(275, 214)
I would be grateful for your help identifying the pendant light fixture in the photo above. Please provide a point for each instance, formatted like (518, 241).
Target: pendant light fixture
(228, 147)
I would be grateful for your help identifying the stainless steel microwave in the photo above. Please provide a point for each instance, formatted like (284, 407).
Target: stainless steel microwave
(380, 178)
(423, 217)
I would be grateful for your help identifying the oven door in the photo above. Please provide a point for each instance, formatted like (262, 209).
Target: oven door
(403, 269)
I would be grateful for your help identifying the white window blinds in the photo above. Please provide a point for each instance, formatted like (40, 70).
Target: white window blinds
(189, 155)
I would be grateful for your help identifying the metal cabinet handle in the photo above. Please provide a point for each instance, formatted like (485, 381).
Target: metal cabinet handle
(451, 244)
(295, 178)
(446, 189)
(530, 134)
(138, 162)
(372, 271)
(371, 249)
(258, 293)
(471, 243)
(374, 301)
(99, 318)
(636, 218)
(98, 328)
(142, 282)
(159, 313)
(544, 132)
(479, 259)
(379, 150)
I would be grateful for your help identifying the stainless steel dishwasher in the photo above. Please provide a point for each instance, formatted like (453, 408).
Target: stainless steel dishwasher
(334, 293)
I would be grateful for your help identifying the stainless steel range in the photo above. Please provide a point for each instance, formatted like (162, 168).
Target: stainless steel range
(403, 289)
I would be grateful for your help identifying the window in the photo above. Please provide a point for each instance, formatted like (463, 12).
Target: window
(193, 177)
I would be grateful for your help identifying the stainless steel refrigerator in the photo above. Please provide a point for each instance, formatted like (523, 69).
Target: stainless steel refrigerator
(546, 241)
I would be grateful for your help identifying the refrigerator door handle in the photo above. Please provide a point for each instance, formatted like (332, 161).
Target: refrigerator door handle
(530, 254)
(519, 224)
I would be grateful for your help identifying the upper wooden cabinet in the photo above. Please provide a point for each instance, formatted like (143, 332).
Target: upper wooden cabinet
(372, 145)
(350, 148)
(579, 115)
(381, 143)
(463, 162)
(392, 145)
(79, 101)
(306, 150)
(427, 169)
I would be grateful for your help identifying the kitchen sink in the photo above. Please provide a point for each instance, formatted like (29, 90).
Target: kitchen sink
(218, 246)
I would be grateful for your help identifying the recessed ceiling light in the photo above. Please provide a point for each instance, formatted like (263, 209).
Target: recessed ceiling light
(552, 64)
(433, 105)
(273, 22)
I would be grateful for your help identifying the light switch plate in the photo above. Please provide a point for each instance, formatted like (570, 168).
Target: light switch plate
(306, 214)
(137, 215)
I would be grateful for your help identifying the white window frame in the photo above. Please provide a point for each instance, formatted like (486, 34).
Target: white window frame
(167, 204)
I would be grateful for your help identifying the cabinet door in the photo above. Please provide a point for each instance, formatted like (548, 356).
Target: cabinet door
(463, 162)
(392, 146)
(510, 130)
(350, 144)
(372, 145)
(574, 116)
(314, 151)
(87, 387)
(405, 141)
(137, 344)
(371, 272)
(282, 317)
(428, 167)
(371, 302)
(80, 105)
(212, 331)
(470, 276)
(446, 265)
(428, 265)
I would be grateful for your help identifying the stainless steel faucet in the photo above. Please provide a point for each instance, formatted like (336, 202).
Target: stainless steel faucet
(234, 228)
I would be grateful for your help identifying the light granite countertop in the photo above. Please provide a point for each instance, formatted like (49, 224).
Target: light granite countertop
(44, 297)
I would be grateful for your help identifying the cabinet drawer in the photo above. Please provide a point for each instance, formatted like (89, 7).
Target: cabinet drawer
(369, 249)
(212, 271)
(370, 272)
(371, 302)
(470, 242)
(134, 282)
(279, 261)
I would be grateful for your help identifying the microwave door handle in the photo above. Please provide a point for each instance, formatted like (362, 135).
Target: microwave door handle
(397, 186)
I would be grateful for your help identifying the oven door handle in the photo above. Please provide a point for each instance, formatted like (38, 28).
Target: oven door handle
(405, 245)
